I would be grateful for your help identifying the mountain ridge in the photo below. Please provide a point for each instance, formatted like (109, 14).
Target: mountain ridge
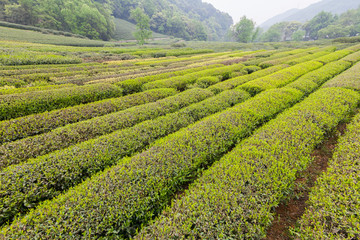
(305, 14)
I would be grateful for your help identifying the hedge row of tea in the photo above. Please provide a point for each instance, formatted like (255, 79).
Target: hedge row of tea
(334, 202)
(181, 82)
(148, 180)
(61, 170)
(17, 105)
(30, 125)
(59, 138)
(105, 167)
(135, 85)
(349, 79)
(234, 198)
(280, 78)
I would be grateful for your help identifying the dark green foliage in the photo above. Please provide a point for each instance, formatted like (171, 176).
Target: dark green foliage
(244, 30)
(100, 153)
(135, 85)
(59, 138)
(17, 105)
(181, 82)
(22, 127)
(348, 79)
(83, 17)
(333, 207)
(334, 56)
(280, 78)
(283, 31)
(347, 25)
(309, 81)
(118, 201)
(142, 25)
(235, 198)
(237, 81)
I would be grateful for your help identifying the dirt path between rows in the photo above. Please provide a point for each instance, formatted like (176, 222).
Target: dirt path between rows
(287, 214)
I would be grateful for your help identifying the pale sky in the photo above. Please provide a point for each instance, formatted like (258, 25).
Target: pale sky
(258, 10)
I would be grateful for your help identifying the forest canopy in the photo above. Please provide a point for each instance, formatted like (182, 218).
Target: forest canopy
(187, 19)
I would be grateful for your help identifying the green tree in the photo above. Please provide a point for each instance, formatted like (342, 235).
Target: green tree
(244, 30)
(143, 31)
(334, 31)
(320, 21)
(275, 33)
(298, 35)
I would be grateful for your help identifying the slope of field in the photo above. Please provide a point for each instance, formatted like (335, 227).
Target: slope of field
(171, 143)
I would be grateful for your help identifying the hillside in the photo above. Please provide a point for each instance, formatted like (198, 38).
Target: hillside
(303, 15)
(191, 20)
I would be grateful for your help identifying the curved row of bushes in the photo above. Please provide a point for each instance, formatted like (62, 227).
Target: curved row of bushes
(334, 56)
(308, 57)
(235, 198)
(349, 79)
(17, 105)
(275, 55)
(117, 202)
(6, 91)
(270, 63)
(181, 82)
(237, 81)
(30, 125)
(280, 78)
(135, 85)
(25, 185)
(334, 202)
(308, 82)
(60, 138)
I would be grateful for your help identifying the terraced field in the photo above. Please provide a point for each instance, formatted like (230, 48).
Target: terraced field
(177, 144)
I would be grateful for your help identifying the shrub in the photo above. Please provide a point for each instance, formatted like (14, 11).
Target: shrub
(270, 63)
(352, 58)
(333, 56)
(59, 138)
(30, 125)
(17, 105)
(307, 82)
(61, 170)
(280, 78)
(307, 58)
(334, 202)
(275, 55)
(118, 201)
(348, 79)
(33, 89)
(181, 82)
(135, 85)
(205, 82)
(235, 198)
(237, 81)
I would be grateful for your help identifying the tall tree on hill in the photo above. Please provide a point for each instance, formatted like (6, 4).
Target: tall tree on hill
(143, 31)
(244, 30)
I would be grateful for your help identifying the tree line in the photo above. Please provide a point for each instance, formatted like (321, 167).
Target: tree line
(324, 25)
(187, 19)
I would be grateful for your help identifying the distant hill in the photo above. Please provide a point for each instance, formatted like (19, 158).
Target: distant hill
(97, 19)
(303, 15)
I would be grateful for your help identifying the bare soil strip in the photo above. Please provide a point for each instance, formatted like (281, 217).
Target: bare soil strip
(288, 213)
